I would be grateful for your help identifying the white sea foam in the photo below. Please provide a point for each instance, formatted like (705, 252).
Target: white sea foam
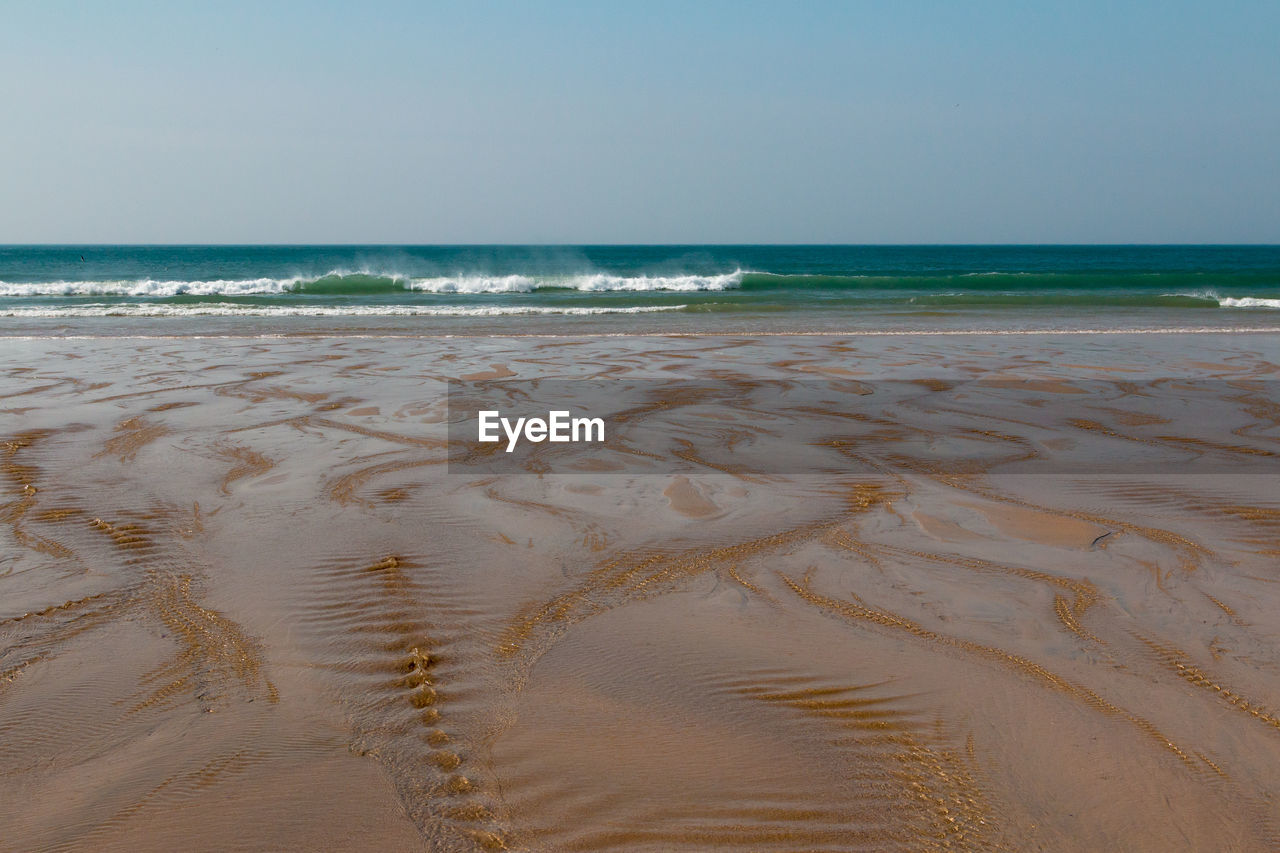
(474, 284)
(228, 309)
(1247, 302)
(356, 282)
(149, 288)
(583, 282)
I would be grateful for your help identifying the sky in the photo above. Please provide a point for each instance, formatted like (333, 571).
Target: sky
(646, 122)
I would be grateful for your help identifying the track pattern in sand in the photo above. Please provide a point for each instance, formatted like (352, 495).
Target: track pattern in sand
(252, 578)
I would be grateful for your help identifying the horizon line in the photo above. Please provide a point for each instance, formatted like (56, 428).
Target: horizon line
(646, 245)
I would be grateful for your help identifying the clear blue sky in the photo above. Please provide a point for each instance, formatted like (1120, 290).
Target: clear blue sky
(640, 122)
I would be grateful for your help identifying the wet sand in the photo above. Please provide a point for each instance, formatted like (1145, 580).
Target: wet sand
(247, 603)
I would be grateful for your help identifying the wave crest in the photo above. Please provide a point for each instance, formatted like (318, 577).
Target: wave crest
(1247, 302)
(342, 283)
(147, 287)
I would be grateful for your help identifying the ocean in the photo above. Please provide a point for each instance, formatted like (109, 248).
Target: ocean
(101, 289)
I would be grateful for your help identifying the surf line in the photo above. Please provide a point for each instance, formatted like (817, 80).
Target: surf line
(559, 427)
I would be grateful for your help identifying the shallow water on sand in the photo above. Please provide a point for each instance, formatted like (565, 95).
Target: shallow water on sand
(247, 601)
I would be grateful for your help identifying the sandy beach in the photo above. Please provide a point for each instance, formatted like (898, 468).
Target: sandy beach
(252, 597)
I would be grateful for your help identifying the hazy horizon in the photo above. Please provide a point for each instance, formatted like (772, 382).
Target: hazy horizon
(570, 124)
(766, 244)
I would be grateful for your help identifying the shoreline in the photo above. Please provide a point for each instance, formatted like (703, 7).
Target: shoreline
(860, 333)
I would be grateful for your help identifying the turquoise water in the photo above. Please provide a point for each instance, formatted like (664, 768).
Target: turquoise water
(648, 288)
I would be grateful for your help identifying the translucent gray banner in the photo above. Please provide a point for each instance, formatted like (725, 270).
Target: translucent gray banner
(943, 427)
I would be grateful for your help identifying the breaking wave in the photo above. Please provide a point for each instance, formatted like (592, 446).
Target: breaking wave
(1247, 302)
(365, 284)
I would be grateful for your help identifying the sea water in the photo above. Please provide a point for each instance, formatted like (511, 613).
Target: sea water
(102, 289)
